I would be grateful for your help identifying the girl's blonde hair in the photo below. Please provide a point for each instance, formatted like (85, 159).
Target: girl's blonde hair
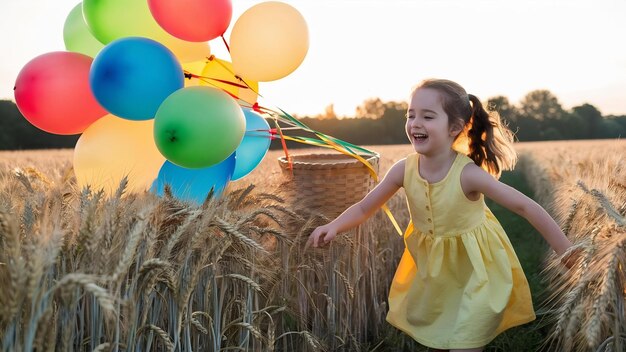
(485, 139)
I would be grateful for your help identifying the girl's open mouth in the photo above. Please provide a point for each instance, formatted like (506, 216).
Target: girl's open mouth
(420, 137)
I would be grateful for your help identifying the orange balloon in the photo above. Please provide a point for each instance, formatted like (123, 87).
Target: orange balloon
(112, 148)
(217, 70)
(268, 41)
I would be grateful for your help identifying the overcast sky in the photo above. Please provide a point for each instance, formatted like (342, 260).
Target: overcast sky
(380, 48)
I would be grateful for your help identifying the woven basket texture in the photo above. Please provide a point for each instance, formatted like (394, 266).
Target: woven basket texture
(327, 183)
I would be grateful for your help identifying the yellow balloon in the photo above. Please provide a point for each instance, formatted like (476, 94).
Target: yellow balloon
(268, 41)
(112, 148)
(217, 70)
(195, 68)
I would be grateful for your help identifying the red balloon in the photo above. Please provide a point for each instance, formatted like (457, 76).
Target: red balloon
(192, 20)
(52, 92)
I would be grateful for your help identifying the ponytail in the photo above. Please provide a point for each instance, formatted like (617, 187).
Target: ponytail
(490, 142)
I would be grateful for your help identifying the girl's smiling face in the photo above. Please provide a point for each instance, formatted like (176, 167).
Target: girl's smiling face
(427, 123)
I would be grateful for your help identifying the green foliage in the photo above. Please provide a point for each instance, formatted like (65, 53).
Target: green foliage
(17, 133)
(530, 249)
(591, 117)
(538, 116)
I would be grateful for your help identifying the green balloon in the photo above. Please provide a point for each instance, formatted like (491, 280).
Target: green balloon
(113, 19)
(76, 35)
(109, 20)
(199, 126)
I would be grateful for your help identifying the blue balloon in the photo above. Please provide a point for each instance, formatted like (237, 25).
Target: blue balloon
(132, 76)
(194, 184)
(254, 145)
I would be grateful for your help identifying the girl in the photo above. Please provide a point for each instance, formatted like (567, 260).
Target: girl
(459, 283)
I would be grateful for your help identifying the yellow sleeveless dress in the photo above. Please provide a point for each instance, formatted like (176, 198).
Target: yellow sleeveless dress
(459, 283)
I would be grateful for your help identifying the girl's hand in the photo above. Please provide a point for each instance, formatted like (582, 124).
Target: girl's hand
(571, 256)
(320, 236)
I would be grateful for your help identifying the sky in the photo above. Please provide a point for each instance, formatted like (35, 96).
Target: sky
(381, 48)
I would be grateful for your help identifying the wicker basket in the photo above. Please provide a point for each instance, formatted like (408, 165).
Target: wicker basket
(327, 183)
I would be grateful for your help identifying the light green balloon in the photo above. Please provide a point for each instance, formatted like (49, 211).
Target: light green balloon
(113, 19)
(109, 20)
(76, 35)
(198, 127)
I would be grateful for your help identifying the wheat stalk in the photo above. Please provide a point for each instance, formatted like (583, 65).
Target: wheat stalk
(70, 281)
(253, 329)
(10, 255)
(253, 284)
(605, 203)
(310, 339)
(129, 252)
(165, 338)
(234, 233)
(181, 229)
(345, 282)
(601, 302)
(102, 347)
(21, 176)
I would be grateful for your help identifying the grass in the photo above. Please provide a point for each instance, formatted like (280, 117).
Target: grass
(530, 248)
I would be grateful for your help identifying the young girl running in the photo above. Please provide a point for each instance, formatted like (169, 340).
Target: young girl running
(459, 283)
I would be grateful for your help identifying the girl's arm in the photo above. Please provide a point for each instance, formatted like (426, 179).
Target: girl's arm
(474, 179)
(362, 210)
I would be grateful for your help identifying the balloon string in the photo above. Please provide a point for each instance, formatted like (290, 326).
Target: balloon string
(284, 144)
(330, 143)
(226, 82)
(225, 43)
(326, 142)
(239, 78)
(342, 149)
(212, 57)
(231, 72)
(273, 132)
(206, 79)
(256, 107)
(247, 85)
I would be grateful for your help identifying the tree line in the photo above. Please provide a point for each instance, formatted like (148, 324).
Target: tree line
(539, 116)
(17, 133)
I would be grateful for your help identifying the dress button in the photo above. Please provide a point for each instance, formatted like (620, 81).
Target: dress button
(427, 207)
(431, 232)
(430, 220)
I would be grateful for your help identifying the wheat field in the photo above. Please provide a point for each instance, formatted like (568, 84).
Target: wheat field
(583, 185)
(83, 271)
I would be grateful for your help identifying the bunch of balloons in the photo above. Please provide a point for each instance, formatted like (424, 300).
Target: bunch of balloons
(138, 81)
